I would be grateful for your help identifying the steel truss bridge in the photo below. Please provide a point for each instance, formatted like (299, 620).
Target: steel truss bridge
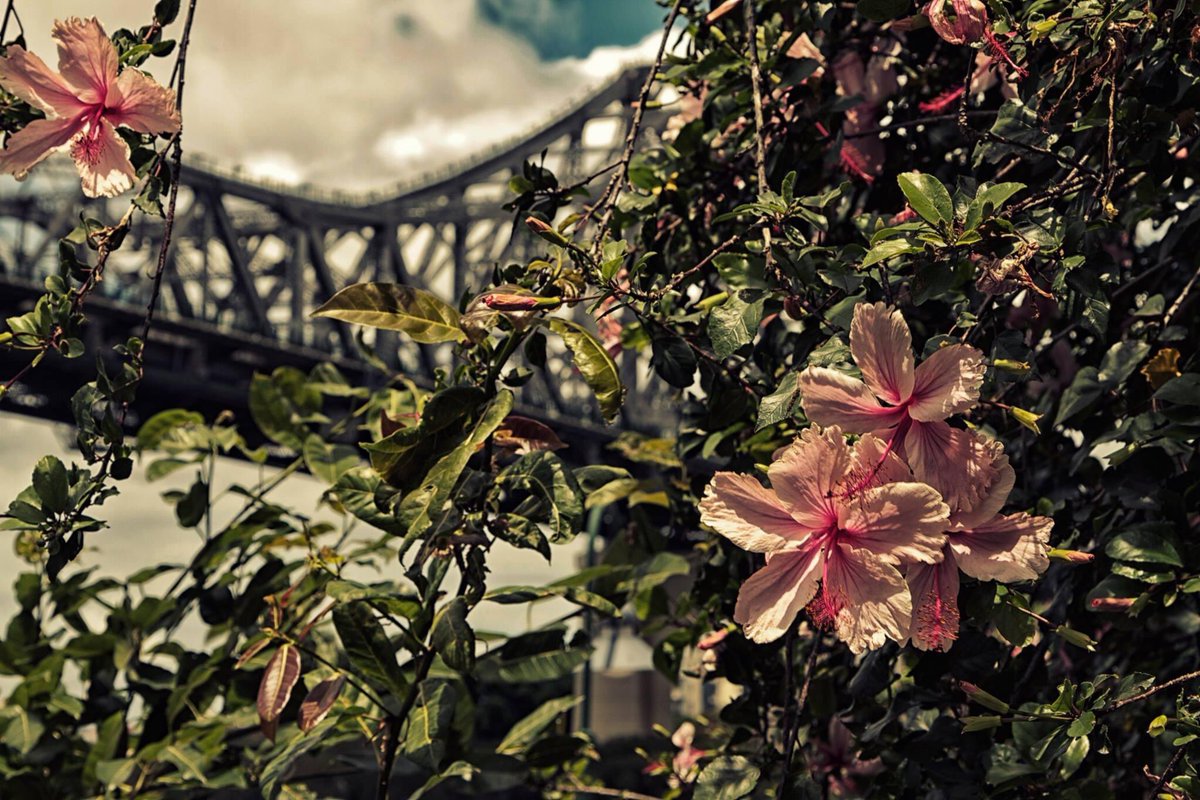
(251, 259)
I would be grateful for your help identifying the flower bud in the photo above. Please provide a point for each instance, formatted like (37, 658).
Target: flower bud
(1072, 556)
(1026, 418)
(964, 23)
(977, 695)
(983, 723)
(546, 231)
(503, 301)
(1010, 365)
(710, 640)
(1112, 603)
(1076, 638)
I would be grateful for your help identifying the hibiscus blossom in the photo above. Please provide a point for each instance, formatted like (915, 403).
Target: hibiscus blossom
(83, 102)
(907, 406)
(984, 544)
(840, 520)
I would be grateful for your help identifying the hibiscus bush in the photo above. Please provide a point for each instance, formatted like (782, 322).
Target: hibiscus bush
(918, 283)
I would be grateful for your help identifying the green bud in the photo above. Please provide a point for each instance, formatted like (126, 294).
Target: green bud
(977, 695)
(982, 723)
(1076, 638)
(1009, 365)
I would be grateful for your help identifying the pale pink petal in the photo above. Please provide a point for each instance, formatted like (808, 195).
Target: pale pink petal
(35, 142)
(86, 57)
(871, 598)
(934, 589)
(722, 10)
(882, 348)
(947, 383)
(684, 735)
(955, 462)
(27, 76)
(102, 159)
(806, 474)
(753, 518)
(831, 398)
(897, 523)
(1006, 549)
(770, 600)
(875, 463)
(143, 104)
(996, 476)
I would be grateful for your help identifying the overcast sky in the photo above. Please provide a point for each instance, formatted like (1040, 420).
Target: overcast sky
(348, 94)
(362, 93)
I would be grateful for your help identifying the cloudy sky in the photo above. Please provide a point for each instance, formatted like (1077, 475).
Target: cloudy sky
(359, 93)
(348, 94)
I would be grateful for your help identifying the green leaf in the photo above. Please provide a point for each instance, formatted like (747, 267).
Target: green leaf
(554, 496)
(358, 490)
(163, 424)
(1083, 725)
(424, 738)
(735, 322)
(594, 364)
(418, 509)
(415, 312)
(23, 730)
(1144, 543)
(673, 359)
(988, 200)
(368, 647)
(1184, 390)
(538, 667)
(528, 594)
(51, 484)
(281, 403)
(928, 197)
(780, 404)
(889, 249)
(192, 507)
(527, 729)
(726, 778)
(452, 637)
(326, 461)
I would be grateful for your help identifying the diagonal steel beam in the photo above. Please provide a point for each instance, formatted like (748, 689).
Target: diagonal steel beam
(241, 267)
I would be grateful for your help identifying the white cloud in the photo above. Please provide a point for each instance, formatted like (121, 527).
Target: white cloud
(352, 94)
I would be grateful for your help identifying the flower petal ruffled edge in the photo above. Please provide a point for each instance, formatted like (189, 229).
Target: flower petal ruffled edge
(882, 348)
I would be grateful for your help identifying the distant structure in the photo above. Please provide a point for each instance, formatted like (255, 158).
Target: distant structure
(251, 259)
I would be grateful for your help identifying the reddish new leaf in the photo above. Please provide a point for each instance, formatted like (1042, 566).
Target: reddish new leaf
(283, 670)
(524, 435)
(319, 701)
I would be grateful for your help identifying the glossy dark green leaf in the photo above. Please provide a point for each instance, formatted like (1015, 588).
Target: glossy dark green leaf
(594, 364)
(415, 312)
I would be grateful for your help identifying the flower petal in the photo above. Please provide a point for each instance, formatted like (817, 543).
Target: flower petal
(770, 600)
(872, 599)
(957, 463)
(102, 159)
(806, 474)
(86, 57)
(947, 383)
(934, 590)
(831, 398)
(753, 518)
(27, 76)
(34, 142)
(875, 463)
(1006, 549)
(143, 104)
(996, 477)
(882, 348)
(899, 522)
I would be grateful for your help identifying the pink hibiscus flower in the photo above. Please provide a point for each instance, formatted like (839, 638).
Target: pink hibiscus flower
(83, 102)
(984, 544)
(907, 406)
(840, 518)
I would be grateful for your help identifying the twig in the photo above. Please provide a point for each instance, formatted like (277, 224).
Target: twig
(1166, 773)
(1137, 698)
(1179, 301)
(760, 139)
(603, 791)
(732, 241)
(608, 200)
(801, 699)
(11, 11)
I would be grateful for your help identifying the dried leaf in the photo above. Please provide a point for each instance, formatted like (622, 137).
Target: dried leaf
(319, 701)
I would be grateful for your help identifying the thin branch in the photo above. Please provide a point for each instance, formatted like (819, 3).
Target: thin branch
(1162, 687)
(1179, 301)
(608, 200)
(603, 791)
(801, 700)
(1166, 773)
(760, 139)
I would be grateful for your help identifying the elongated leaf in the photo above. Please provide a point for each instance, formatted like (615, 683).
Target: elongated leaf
(51, 484)
(424, 740)
(1144, 544)
(529, 594)
(319, 701)
(527, 729)
(328, 461)
(595, 364)
(278, 680)
(452, 637)
(928, 197)
(415, 312)
(368, 647)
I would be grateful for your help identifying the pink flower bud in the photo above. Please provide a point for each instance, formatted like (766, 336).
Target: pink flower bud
(1112, 603)
(710, 640)
(1072, 556)
(502, 301)
(964, 23)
